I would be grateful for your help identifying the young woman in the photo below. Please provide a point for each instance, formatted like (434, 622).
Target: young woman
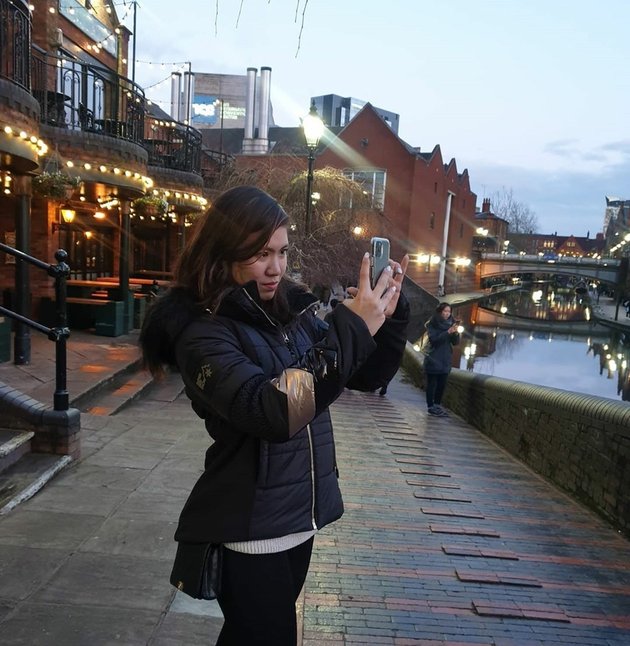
(443, 335)
(261, 370)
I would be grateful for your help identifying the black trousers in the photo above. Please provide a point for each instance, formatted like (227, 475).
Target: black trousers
(436, 385)
(258, 595)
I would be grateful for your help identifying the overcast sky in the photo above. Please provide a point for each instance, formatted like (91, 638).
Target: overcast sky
(532, 95)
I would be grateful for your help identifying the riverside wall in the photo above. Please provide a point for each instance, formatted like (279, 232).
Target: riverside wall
(579, 442)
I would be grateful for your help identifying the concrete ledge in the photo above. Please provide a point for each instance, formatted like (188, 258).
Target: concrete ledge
(579, 442)
(55, 431)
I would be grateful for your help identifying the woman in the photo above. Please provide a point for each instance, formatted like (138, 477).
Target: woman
(261, 369)
(443, 335)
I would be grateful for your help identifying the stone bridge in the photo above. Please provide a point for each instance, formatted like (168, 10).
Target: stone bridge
(606, 270)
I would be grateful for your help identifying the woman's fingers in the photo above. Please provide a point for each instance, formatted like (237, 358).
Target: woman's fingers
(364, 272)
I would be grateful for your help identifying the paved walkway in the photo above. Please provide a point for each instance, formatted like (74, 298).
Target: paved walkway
(445, 540)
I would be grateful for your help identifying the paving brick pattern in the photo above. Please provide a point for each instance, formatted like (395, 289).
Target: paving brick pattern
(447, 539)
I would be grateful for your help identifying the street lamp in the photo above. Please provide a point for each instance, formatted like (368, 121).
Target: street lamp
(313, 129)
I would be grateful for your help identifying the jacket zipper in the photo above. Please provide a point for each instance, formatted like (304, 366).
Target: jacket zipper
(312, 457)
(309, 435)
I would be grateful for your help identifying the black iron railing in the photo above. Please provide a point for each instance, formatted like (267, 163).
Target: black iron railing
(79, 96)
(15, 42)
(60, 333)
(173, 145)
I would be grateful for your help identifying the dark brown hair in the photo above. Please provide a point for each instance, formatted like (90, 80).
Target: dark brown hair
(237, 225)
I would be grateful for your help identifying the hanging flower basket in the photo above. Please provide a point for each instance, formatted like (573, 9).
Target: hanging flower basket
(55, 185)
(150, 205)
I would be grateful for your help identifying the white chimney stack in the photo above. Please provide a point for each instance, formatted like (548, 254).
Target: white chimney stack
(250, 102)
(176, 80)
(265, 90)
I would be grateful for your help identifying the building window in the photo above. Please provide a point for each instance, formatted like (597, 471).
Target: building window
(373, 184)
(435, 187)
(432, 221)
(461, 230)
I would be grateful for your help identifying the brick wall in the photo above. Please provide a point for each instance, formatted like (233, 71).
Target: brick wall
(581, 443)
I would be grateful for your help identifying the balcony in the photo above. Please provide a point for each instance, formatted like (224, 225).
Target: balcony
(74, 95)
(15, 42)
(78, 96)
(172, 145)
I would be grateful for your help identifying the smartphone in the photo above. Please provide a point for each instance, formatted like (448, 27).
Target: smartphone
(379, 258)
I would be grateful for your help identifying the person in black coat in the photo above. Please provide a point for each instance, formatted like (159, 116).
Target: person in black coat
(442, 336)
(261, 370)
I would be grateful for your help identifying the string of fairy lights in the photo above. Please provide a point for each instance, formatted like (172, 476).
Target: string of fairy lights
(112, 175)
(91, 10)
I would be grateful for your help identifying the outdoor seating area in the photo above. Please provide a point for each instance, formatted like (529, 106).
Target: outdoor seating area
(98, 305)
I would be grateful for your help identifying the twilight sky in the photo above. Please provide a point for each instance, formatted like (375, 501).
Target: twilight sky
(531, 95)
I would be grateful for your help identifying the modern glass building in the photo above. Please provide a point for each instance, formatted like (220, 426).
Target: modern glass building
(338, 110)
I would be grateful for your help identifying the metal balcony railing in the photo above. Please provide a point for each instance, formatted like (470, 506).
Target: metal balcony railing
(173, 145)
(15, 42)
(79, 96)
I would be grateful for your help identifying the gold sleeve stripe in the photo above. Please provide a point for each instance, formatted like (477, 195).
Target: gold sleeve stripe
(299, 387)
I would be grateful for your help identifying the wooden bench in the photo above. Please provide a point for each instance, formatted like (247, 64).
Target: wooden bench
(104, 315)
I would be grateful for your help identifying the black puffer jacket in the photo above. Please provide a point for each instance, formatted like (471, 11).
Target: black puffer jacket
(263, 478)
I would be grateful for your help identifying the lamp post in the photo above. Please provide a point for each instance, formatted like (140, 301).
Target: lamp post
(313, 129)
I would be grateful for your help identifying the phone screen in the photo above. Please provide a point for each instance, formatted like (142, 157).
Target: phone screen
(379, 258)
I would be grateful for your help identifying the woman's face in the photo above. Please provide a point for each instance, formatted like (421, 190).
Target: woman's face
(446, 312)
(266, 267)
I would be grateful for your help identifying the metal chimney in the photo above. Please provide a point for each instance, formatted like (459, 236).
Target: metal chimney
(185, 111)
(265, 90)
(250, 102)
(176, 82)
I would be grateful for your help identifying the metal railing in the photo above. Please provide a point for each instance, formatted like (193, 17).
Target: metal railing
(173, 145)
(79, 96)
(60, 333)
(15, 43)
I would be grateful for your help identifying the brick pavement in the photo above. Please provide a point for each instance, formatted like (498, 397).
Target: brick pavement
(447, 539)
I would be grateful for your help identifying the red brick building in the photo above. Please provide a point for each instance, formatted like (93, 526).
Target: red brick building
(427, 206)
(69, 110)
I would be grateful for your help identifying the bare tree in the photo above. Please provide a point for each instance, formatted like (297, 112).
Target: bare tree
(342, 218)
(520, 217)
(343, 221)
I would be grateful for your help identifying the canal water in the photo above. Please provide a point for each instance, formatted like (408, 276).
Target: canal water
(545, 336)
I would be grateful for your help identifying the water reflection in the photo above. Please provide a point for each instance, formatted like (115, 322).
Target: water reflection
(545, 336)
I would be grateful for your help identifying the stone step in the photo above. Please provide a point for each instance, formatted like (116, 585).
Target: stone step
(118, 393)
(13, 445)
(27, 476)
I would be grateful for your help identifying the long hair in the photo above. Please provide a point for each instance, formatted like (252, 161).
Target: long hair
(237, 225)
(234, 228)
(436, 318)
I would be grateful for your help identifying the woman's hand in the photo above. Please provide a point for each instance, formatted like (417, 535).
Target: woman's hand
(371, 304)
(398, 275)
(395, 280)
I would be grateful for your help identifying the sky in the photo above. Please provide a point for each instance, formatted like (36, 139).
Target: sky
(528, 95)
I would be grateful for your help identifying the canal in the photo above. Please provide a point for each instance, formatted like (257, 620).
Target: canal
(544, 335)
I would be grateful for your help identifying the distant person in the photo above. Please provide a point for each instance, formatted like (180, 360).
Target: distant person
(333, 303)
(443, 335)
(261, 370)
